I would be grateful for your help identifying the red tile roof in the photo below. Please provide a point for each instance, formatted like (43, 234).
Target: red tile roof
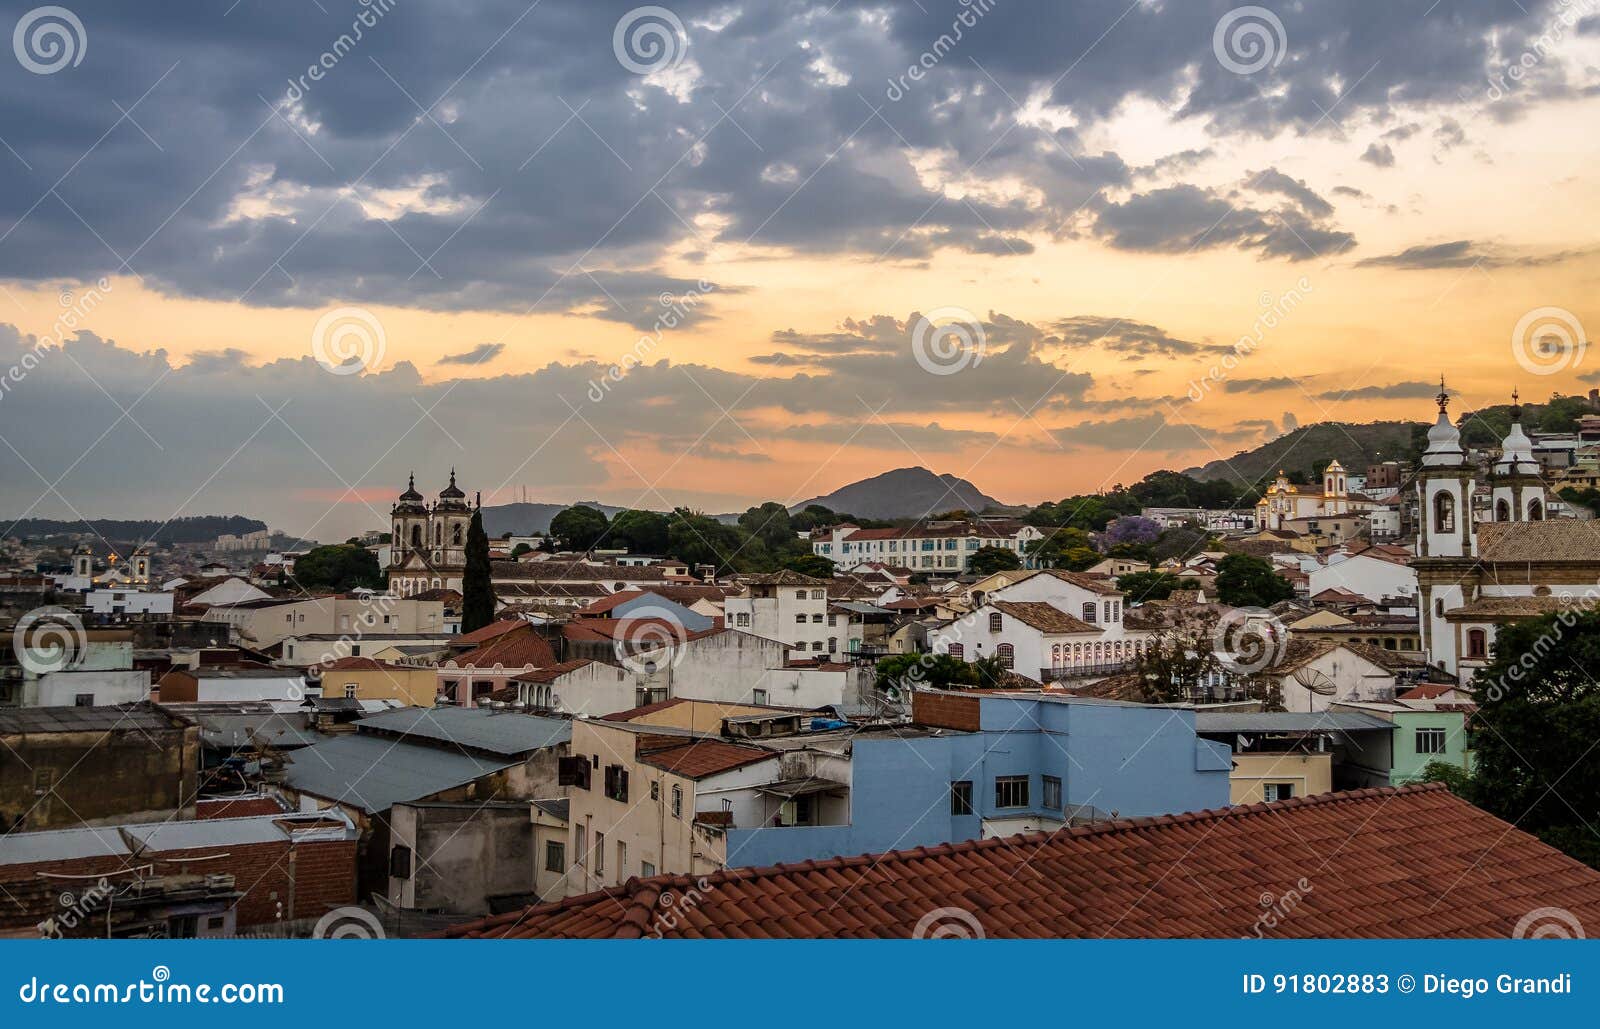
(488, 632)
(702, 757)
(515, 649)
(554, 672)
(1385, 863)
(1044, 617)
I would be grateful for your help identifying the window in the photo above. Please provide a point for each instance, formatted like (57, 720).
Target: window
(83, 700)
(1088, 612)
(833, 644)
(758, 696)
(961, 797)
(677, 802)
(655, 790)
(622, 860)
(742, 618)
(1444, 512)
(1052, 793)
(1502, 510)
(617, 783)
(1477, 643)
(579, 848)
(1007, 655)
(555, 855)
(1011, 791)
(819, 594)
(958, 651)
(646, 869)
(1430, 741)
(350, 690)
(800, 618)
(400, 862)
(1535, 511)
(816, 619)
(599, 853)
(994, 622)
(1277, 791)
(816, 645)
(799, 594)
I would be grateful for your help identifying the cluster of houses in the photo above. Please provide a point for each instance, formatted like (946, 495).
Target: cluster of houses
(254, 760)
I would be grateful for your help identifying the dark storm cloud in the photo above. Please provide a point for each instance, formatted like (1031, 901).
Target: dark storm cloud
(535, 172)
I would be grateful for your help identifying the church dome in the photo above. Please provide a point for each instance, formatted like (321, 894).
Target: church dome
(1516, 450)
(452, 493)
(1444, 439)
(410, 501)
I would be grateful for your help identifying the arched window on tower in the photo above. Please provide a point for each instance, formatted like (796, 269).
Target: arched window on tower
(1502, 510)
(1444, 513)
(1535, 510)
(438, 533)
(416, 536)
(1477, 643)
(455, 535)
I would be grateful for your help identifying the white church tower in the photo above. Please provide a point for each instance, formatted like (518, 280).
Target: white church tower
(1519, 494)
(1444, 491)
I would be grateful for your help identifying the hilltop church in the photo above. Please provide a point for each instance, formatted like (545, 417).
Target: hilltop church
(1473, 577)
(1285, 502)
(428, 548)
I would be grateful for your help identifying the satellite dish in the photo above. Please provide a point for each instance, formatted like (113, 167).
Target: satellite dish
(892, 692)
(1315, 681)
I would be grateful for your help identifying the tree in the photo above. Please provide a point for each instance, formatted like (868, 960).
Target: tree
(1534, 731)
(338, 568)
(477, 592)
(641, 532)
(1067, 548)
(936, 670)
(814, 565)
(1133, 529)
(520, 549)
(770, 524)
(988, 560)
(578, 528)
(1142, 586)
(1246, 581)
(696, 538)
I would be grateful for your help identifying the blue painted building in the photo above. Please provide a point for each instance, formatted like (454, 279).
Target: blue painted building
(994, 765)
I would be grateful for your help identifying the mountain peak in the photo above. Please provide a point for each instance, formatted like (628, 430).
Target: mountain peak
(913, 492)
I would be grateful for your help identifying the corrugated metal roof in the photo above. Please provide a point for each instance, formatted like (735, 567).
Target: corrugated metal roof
(374, 773)
(1287, 721)
(128, 717)
(21, 848)
(495, 732)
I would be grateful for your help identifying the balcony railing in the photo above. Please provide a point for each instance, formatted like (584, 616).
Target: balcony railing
(1088, 671)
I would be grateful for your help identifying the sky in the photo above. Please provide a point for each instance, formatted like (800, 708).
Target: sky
(268, 258)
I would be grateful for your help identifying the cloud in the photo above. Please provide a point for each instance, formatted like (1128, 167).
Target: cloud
(1466, 253)
(1186, 218)
(1393, 391)
(1123, 336)
(1267, 385)
(480, 354)
(1379, 155)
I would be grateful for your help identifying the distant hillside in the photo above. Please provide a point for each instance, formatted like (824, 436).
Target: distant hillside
(193, 529)
(1307, 448)
(905, 493)
(528, 518)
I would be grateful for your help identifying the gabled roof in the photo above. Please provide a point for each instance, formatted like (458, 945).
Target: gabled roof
(484, 634)
(554, 672)
(1414, 862)
(509, 650)
(1044, 617)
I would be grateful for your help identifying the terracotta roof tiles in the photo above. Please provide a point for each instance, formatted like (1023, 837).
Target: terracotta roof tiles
(1414, 862)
